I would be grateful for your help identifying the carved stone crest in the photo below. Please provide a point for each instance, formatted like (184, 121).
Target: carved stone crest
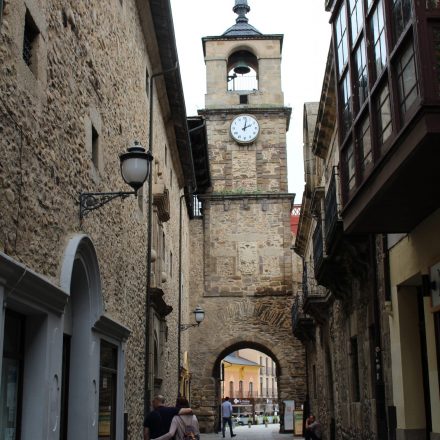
(247, 258)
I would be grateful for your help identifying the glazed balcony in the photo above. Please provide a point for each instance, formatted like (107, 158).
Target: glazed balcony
(332, 218)
(391, 184)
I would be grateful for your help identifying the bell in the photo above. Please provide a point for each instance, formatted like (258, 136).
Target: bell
(241, 68)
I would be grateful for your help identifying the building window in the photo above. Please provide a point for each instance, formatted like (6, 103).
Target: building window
(11, 390)
(346, 104)
(350, 167)
(231, 388)
(401, 16)
(267, 387)
(407, 79)
(355, 369)
(95, 147)
(267, 366)
(108, 372)
(240, 389)
(30, 41)
(261, 387)
(273, 387)
(251, 389)
(364, 142)
(244, 99)
(341, 39)
(378, 35)
(384, 115)
(356, 18)
(361, 73)
(432, 4)
(261, 364)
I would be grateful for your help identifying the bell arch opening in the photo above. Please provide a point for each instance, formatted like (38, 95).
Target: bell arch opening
(242, 71)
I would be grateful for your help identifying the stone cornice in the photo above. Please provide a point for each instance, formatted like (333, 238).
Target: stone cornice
(108, 326)
(25, 285)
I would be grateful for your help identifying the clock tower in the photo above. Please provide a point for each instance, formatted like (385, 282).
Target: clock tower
(243, 273)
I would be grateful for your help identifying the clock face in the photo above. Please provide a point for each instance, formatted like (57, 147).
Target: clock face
(245, 129)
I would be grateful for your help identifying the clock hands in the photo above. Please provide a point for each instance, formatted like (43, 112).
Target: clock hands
(245, 126)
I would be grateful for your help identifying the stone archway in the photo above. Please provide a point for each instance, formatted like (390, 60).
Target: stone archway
(272, 337)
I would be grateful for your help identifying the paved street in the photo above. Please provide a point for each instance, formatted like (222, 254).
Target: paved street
(256, 432)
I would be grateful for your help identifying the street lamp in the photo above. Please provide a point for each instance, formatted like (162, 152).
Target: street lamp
(135, 168)
(199, 316)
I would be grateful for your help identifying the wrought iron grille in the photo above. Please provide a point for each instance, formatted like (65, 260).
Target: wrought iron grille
(331, 209)
(197, 207)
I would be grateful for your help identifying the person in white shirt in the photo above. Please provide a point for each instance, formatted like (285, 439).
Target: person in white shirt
(227, 416)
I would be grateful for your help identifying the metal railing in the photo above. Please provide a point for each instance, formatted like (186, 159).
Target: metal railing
(197, 207)
(242, 83)
(318, 247)
(331, 208)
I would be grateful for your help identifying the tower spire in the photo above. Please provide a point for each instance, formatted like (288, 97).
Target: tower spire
(241, 8)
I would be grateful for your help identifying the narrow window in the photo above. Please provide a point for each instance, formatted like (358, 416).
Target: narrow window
(346, 104)
(267, 387)
(361, 74)
(364, 142)
(378, 35)
(407, 78)
(341, 39)
(401, 16)
(240, 389)
(244, 99)
(95, 147)
(11, 390)
(355, 369)
(261, 387)
(231, 388)
(30, 39)
(267, 366)
(261, 365)
(384, 115)
(108, 371)
(251, 389)
(171, 264)
(273, 387)
(356, 18)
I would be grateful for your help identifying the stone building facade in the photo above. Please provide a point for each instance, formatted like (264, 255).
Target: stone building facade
(241, 270)
(339, 312)
(75, 92)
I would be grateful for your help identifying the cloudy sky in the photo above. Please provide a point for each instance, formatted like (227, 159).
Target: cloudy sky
(304, 24)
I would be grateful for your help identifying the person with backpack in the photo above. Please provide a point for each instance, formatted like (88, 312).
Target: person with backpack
(183, 427)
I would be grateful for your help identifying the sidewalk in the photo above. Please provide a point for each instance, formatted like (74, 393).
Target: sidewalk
(256, 432)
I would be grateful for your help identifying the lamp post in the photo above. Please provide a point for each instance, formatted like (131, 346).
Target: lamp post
(135, 165)
(199, 316)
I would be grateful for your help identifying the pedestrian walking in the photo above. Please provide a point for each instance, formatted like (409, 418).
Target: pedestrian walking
(227, 416)
(183, 427)
(158, 421)
(313, 429)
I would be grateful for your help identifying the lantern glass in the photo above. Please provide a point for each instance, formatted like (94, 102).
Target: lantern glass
(135, 166)
(199, 314)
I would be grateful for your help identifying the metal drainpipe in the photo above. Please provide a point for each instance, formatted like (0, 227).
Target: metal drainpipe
(179, 323)
(382, 424)
(147, 390)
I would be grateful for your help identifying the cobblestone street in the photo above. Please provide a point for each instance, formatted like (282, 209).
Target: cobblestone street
(258, 432)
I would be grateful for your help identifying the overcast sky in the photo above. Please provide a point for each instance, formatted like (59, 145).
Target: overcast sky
(304, 24)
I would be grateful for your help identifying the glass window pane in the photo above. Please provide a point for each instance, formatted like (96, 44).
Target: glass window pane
(407, 79)
(364, 140)
(345, 92)
(361, 73)
(356, 18)
(378, 35)
(341, 39)
(402, 12)
(11, 376)
(350, 167)
(384, 115)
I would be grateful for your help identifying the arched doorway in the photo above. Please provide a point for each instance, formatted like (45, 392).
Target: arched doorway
(92, 387)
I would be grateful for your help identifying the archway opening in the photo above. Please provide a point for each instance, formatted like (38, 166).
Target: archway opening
(248, 374)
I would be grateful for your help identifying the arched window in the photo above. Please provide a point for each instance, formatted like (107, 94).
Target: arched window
(240, 389)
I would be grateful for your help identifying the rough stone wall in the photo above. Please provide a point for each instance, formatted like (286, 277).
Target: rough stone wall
(92, 71)
(247, 247)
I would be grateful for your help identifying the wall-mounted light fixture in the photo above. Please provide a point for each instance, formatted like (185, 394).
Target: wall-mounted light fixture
(199, 316)
(135, 168)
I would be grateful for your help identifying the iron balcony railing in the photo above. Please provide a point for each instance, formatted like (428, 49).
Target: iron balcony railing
(318, 247)
(331, 208)
(197, 207)
(242, 83)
